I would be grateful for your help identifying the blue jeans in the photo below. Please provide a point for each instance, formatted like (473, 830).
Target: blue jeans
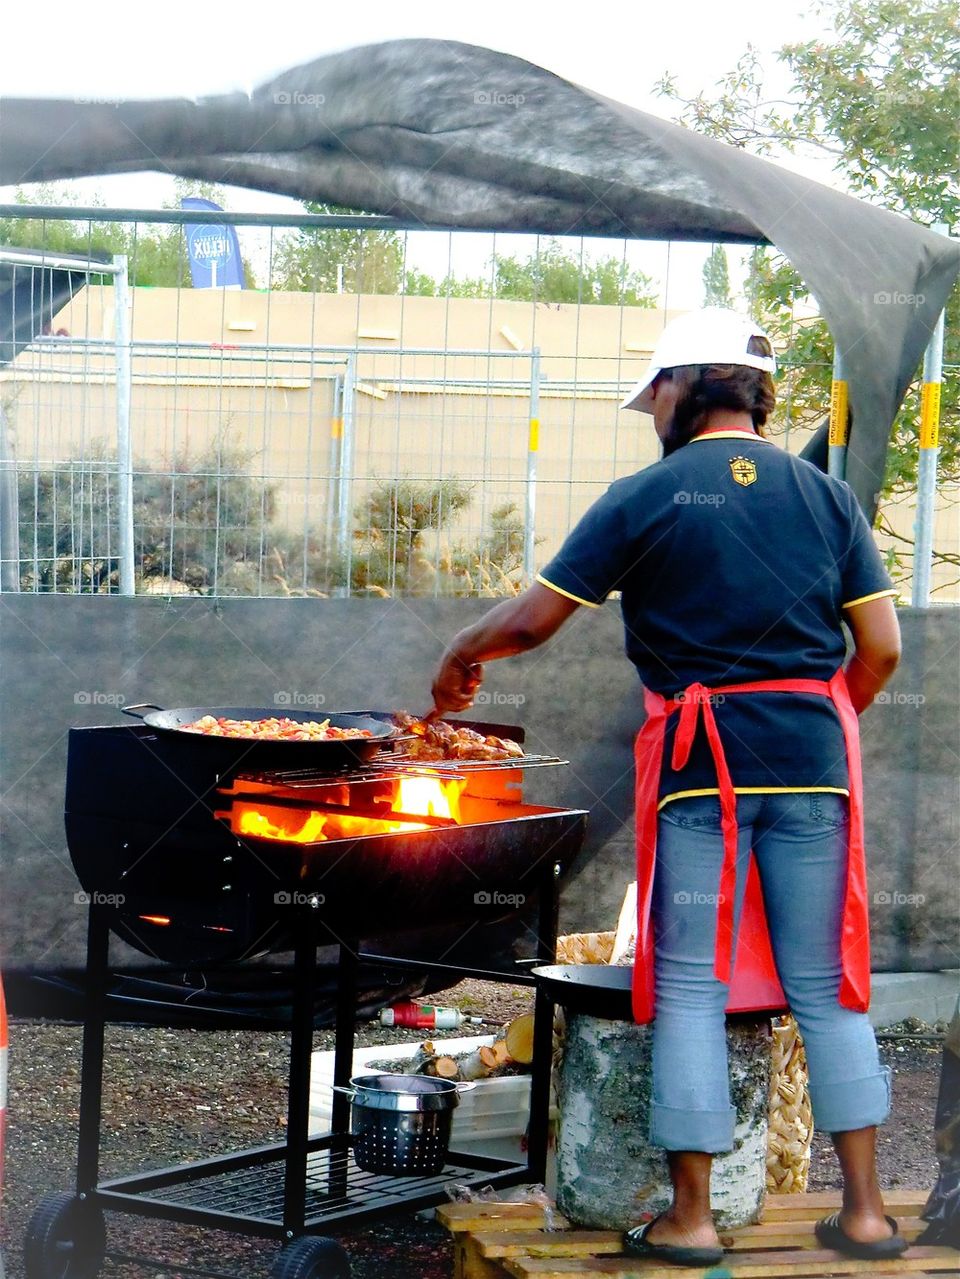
(799, 841)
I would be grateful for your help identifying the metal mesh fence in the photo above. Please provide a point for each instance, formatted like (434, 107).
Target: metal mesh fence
(291, 442)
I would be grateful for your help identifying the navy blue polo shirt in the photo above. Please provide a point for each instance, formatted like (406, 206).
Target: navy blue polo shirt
(735, 561)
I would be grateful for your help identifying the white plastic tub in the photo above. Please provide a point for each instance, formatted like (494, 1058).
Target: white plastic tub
(491, 1118)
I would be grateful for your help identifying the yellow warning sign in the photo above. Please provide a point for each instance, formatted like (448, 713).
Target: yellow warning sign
(838, 414)
(930, 415)
(534, 441)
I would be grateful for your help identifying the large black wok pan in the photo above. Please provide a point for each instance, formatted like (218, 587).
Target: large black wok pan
(231, 753)
(604, 990)
(599, 990)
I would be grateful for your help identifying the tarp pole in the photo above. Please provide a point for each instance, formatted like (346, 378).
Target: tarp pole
(533, 447)
(929, 454)
(9, 511)
(333, 458)
(345, 502)
(121, 329)
(839, 415)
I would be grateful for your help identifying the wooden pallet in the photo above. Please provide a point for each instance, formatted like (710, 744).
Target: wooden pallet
(509, 1241)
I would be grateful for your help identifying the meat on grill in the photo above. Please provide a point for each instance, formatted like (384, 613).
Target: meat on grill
(438, 740)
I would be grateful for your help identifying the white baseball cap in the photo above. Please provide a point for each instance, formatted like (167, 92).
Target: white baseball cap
(711, 336)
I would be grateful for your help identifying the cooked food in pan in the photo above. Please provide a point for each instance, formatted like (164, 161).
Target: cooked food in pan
(278, 729)
(438, 739)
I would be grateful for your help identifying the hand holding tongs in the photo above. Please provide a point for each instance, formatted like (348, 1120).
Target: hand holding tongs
(471, 678)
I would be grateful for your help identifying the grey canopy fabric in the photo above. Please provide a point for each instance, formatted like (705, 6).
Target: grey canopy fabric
(441, 134)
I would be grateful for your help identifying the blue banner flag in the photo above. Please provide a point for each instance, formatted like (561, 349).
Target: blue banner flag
(214, 250)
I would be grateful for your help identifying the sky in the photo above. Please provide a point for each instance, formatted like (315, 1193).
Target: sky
(109, 49)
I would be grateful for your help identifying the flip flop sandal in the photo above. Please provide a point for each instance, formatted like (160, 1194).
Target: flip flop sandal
(636, 1244)
(831, 1234)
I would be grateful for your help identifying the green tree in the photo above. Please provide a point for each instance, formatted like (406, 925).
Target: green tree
(550, 275)
(882, 97)
(313, 258)
(553, 275)
(716, 278)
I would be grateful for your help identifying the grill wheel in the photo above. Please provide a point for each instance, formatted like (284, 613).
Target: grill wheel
(311, 1258)
(66, 1239)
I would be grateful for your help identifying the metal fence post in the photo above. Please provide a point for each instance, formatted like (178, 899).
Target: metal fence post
(333, 459)
(9, 511)
(533, 447)
(927, 462)
(345, 495)
(121, 328)
(839, 418)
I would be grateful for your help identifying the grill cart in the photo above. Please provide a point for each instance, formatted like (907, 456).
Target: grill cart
(190, 862)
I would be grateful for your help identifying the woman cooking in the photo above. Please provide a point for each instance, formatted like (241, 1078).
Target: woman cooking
(737, 565)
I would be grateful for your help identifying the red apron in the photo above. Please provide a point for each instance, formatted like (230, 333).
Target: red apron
(854, 990)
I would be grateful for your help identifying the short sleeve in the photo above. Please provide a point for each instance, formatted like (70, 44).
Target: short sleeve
(592, 561)
(863, 575)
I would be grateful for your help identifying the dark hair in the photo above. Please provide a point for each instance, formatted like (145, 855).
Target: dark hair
(702, 387)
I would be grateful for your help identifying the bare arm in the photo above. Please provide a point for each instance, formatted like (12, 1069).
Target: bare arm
(876, 636)
(512, 627)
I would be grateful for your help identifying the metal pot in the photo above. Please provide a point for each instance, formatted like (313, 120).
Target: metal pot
(401, 1123)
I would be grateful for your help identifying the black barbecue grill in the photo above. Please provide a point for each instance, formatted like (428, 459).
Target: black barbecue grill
(195, 857)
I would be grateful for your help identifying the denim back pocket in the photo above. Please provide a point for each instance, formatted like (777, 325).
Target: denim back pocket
(692, 812)
(828, 810)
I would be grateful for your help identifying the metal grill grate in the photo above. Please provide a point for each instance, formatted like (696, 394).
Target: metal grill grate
(376, 771)
(334, 1186)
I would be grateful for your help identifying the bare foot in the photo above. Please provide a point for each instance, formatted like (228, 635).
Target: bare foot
(865, 1226)
(684, 1233)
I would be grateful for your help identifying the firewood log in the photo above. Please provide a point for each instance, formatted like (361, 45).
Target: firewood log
(425, 1052)
(442, 1066)
(479, 1064)
(518, 1037)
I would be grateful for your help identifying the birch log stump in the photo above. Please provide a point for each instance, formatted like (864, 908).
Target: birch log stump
(608, 1175)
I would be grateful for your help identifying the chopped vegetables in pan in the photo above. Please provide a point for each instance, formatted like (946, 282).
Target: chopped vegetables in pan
(279, 729)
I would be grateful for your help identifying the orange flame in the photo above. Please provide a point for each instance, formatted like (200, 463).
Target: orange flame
(414, 797)
(429, 797)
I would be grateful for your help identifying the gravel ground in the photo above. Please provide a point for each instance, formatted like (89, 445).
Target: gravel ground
(175, 1095)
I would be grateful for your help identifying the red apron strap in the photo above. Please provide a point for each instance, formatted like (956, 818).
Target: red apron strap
(855, 929)
(694, 702)
(648, 754)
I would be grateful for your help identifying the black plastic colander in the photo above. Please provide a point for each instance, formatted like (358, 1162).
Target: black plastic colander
(401, 1123)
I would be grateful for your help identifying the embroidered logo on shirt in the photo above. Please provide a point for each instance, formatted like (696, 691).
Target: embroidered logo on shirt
(743, 470)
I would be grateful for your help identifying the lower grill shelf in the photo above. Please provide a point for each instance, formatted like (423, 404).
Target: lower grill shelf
(251, 1197)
